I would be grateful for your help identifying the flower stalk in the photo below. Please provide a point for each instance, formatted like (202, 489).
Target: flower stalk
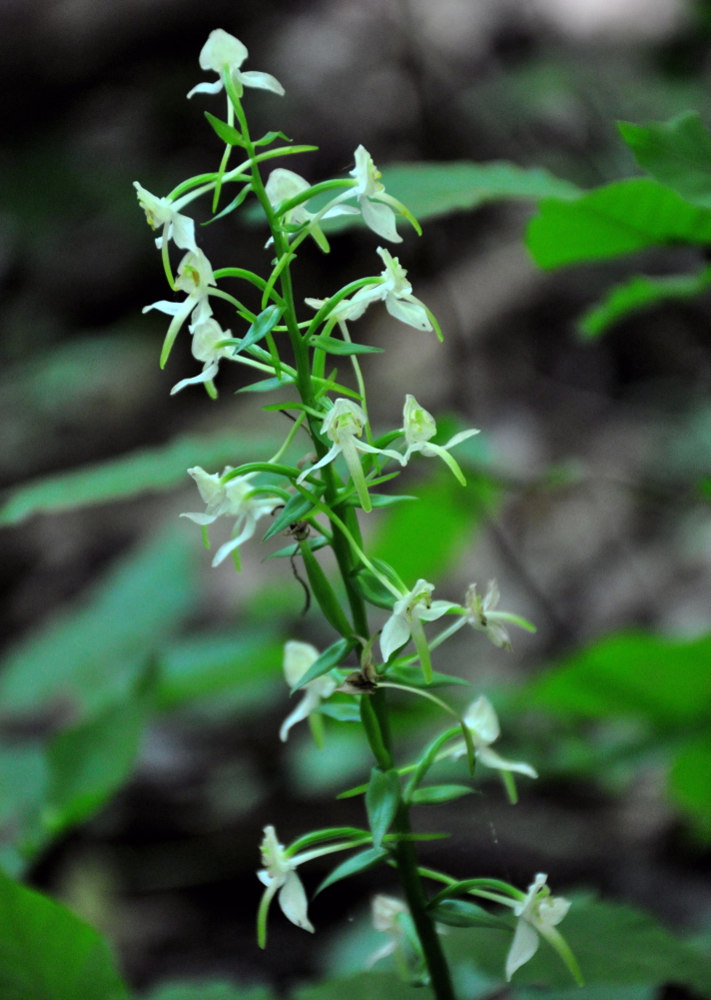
(315, 497)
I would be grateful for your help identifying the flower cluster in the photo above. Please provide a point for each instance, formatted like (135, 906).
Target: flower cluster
(320, 501)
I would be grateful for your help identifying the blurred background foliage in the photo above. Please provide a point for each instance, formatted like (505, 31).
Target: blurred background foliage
(141, 692)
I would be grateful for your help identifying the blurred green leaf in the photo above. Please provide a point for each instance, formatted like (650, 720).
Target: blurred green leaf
(690, 784)
(180, 990)
(614, 220)
(145, 470)
(423, 538)
(46, 952)
(90, 655)
(88, 763)
(676, 153)
(244, 668)
(617, 947)
(434, 189)
(664, 680)
(641, 292)
(362, 986)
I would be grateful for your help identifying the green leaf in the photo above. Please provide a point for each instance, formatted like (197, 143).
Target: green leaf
(611, 221)
(450, 513)
(462, 913)
(208, 990)
(146, 470)
(638, 293)
(296, 509)
(637, 674)
(330, 658)
(608, 940)
(263, 324)
(228, 133)
(332, 345)
(382, 799)
(268, 384)
(676, 153)
(362, 986)
(323, 592)
(689, 784)
(46, 952)
(434, 189)
(90, 762)
(90, 656)
(434, 794)
(358, 863)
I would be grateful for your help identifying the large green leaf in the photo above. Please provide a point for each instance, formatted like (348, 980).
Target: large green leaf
(90, 656)
(142, 471)
(46, 953)
(676, 153)
(645, 676)
(614, 220)
(435, 189)
(618, 947)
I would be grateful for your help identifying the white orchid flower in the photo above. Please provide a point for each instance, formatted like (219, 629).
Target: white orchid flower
(483, 724)
(482, 616)
(283, 185)
(195, 277)
(298, 658)
(409, 612)
(394, 290)
(343, 425)
(279, 875)
(162, 214)
(538, 914)
(206, 336)
(419, 426)
(385, 912)
(232, 498)
(223, 51)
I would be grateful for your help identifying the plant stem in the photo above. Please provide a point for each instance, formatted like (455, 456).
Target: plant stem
(404, 852)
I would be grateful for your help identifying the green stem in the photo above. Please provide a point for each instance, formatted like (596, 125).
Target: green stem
(378, 730)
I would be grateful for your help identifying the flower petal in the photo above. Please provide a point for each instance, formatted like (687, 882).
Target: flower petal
(293, 902)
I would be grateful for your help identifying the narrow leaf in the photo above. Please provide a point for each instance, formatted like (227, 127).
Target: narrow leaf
(382, 799)
(434, 794)
(330, 658)
(332, 345)
(228, 133)
(358, 863)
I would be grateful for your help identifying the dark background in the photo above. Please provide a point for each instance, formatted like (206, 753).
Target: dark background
(94, 99)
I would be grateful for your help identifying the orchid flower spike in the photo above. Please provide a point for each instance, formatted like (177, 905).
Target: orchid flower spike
(283, 185)
(279, 876)
(233, 497)
(162, 214)
(419, 426)
(195, 277)
(343, 425)
(224, 53)
(483, 724)
(298, 658)
(538, 913)
(207, 336)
